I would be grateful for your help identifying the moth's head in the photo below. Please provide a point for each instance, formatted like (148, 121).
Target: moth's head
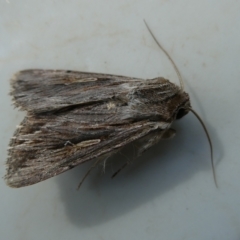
(183, 108)
(178, 105)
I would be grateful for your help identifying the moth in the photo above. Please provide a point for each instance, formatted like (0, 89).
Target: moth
(73, 117)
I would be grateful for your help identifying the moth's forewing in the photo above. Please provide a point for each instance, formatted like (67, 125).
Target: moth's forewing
(73, 117)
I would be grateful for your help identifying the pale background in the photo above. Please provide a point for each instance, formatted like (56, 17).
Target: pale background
(169, 193)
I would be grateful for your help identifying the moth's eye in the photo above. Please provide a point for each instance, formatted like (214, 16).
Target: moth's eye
(181, 112)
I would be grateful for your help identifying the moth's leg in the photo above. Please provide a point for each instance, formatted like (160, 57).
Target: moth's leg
(170, 133)
(123, 166)
(105, 157)
(120, 169)
(152, 138)
(147, 142)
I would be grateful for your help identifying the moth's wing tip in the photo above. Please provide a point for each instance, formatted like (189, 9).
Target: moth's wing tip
(14, 181)
(10, 184)
(15, 83)
(20, 75)
(13, 184)
(14, 80)
(12, 177)
(10, 181)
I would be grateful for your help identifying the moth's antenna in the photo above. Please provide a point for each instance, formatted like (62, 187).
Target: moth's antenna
(166, 53)
(210, 143)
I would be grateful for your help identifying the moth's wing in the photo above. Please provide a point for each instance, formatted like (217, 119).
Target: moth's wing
(46, 145)
(38, 90)
(49, 91)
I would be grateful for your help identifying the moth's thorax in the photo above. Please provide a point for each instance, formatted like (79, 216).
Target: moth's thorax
(159, 99)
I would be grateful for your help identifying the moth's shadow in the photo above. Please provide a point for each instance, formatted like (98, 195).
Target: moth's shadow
(159, 170)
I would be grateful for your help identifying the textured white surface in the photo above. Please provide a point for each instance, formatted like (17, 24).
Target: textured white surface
(170, 193)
